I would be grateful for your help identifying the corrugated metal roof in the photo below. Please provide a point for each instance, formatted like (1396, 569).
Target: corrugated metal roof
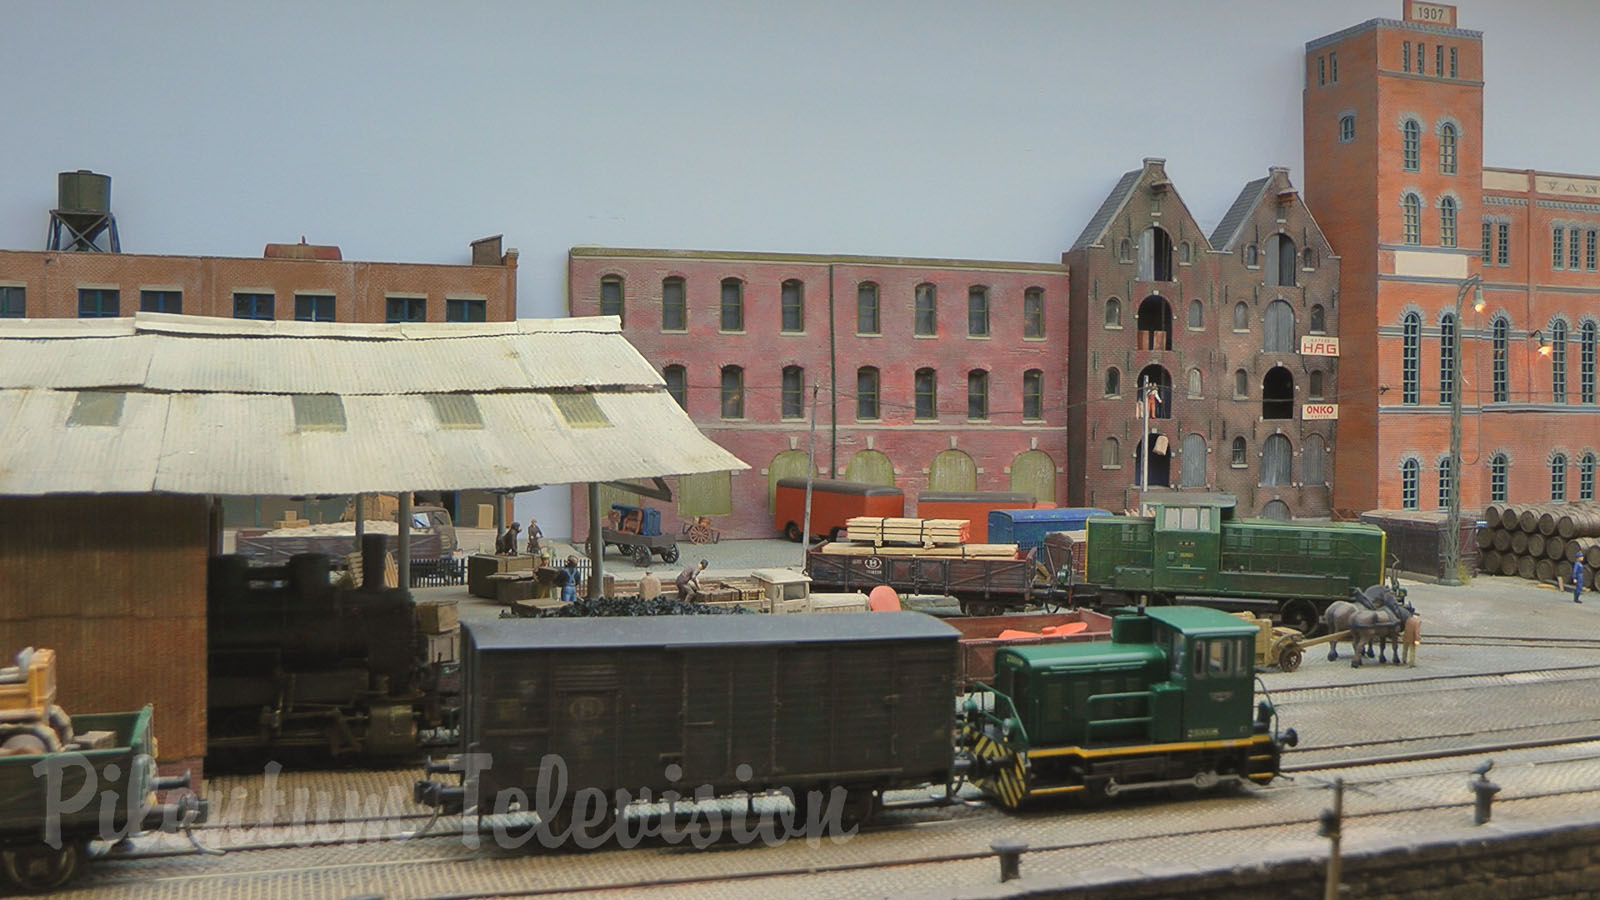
(210, 408)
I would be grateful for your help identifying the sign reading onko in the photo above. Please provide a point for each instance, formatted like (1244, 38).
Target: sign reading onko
(1319, 411)
(1318, 345)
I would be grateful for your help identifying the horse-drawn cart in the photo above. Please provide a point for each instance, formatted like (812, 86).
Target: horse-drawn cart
(1284, 647)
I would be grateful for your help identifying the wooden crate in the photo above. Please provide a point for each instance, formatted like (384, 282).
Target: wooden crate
(438, 617)
(445, 647)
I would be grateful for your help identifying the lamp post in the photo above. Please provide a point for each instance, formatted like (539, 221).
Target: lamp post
(1452, 556)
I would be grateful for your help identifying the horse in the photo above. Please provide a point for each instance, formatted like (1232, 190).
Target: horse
(1368, 625)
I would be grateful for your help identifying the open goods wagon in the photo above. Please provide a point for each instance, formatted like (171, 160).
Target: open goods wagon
(984, 585)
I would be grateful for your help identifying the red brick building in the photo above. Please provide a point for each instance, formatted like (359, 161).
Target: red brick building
(1216, 325)
(1393, 118)
(930, 374)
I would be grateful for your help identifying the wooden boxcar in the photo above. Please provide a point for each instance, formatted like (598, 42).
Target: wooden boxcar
(716, 704)
(973, 506)
(1196, 550)
(981, 638)
(985, 586)
(1027, 527)
(833, 503)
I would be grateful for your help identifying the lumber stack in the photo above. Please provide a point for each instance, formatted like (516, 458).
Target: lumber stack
(960, 551)
(912, 532)
(1541, 541)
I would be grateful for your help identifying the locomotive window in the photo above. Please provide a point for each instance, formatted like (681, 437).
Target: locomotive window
(1205, 519)
(1171, 519)
(1191, 518)
(1219, 658)
(1199, 649)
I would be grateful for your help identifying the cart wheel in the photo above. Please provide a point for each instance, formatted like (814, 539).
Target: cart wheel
(40, 867)
(792, 532)
(670, 554)
(641, 556)
(1290, 659)
(1301, 615)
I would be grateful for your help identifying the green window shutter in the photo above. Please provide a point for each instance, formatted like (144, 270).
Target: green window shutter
(952, 470)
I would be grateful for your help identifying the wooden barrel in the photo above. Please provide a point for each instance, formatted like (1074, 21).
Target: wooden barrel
(1547, 521)
(1491, 514)
(1555, 548)
(1510, 516)
(1485, 537)
(1502, 540)
(1589, 547)
(1583, 522)
(1489, 562)
(1519, 543)
(1525, 566)
(1508, 563)
(1544, 570)
(1528, 519)
(1536, 546)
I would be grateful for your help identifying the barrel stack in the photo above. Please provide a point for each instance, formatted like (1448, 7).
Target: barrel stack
(1540, 541)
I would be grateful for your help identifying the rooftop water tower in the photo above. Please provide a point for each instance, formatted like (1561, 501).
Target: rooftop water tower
(83, 215)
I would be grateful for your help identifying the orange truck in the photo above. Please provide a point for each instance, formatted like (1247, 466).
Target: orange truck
(974, 506)
(833, 503)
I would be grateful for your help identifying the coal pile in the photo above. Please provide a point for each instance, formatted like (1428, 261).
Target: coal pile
(636, 606)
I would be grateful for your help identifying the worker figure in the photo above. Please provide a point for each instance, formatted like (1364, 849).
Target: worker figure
(506, 544)
(688, 582)
(1577, 579)
(535, 537)
(649, 586)
(567, 578)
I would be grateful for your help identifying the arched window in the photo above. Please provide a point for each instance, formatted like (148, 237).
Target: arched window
(1447, 481)
(1347, 129)
(1155, 324)
(1314, 461)
(1196, 385)
(1498, 470)
(732, 392)
(978, 394)
(1558, 361)
(1277, 510)
(867, 320)
(1110, 454)
(1558, 478)
(1447, 222)
(1277, 328)
(867, 393)
(927, 391)
(1319, 319)
(1447, 358)
(1282, 259)
(1240, 450)
(1113, 382)
(977, 311)
(1411, 146)
(1125, 251)
(1586, 348)
(1277, 394)
(1184, 252)
(611, 296)
(732, 304)
(1409, 471)
(1241, 316)
(1113, 313)
(1411, 219)
(1033, 395)
(1252, 255)
(1197, 314)
(1033, 313)
(1192, 462)
(677, 379)
(794, 392)
(1241, 384)
(1155, 255)
(927, 312)
(1447, 149)
(1277, 461)
(1159, 382)
(674, 312)
(1314, 387)
(1500, 336)
(793, 303)
(1586, 477)
(1410, 350)
(1308, 258)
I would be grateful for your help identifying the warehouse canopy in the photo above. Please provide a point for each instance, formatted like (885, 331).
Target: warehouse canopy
(195, 405)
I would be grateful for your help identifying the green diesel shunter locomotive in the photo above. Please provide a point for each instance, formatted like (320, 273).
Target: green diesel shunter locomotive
(1168, 702)
(1194, 548)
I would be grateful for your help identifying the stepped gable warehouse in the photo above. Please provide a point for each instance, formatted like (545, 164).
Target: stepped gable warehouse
(123, 433)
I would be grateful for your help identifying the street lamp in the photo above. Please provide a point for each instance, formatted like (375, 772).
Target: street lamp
(1452, 544)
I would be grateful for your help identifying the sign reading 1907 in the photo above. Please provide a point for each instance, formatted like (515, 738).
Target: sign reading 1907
(1431, 13)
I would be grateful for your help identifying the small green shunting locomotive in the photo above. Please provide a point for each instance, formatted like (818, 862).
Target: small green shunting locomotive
(1169, 701)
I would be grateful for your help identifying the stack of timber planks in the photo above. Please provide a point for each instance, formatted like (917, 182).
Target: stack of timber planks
(914, 532)
(1541, 541)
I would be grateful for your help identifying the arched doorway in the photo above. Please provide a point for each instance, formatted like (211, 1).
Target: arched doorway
(1160, 474)
(1155, 323)
(1034, 472)
(1155, 255)
(1162, 380)
(1276, 509)
(1192, 461)
(1277, 461)
(952, 470)
(870, 467)
(788, 464)
(1277, 394)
